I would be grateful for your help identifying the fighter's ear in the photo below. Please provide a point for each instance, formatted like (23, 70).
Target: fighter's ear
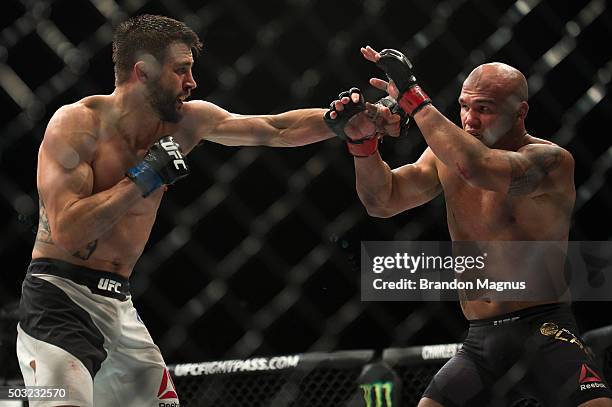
(522, 110)
(147, 68)
(141, 71)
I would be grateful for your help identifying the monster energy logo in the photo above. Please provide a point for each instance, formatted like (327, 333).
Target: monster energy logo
(377, 394)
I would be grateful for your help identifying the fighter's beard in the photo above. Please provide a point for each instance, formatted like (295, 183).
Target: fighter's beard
(164, 103)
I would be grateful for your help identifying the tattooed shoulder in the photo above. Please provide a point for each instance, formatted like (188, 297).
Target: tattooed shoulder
(527, 174)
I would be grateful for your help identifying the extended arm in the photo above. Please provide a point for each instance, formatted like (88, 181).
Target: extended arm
(289, 129)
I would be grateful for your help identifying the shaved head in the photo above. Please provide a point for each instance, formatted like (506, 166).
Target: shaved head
(493, 103)
(502, 80)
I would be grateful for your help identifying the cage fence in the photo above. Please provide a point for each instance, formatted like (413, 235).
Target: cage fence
(257, 253)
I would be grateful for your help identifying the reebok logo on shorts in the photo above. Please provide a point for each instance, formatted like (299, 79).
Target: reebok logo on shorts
(167, 391)
(589, 379)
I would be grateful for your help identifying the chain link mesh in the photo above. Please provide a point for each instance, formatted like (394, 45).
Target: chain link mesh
(334, 383)
(258, 251)
(321, 387)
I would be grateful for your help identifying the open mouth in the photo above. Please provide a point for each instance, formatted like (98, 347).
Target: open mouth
(181, 99)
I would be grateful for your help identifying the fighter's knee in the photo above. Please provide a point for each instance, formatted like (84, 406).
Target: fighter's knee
(426, 402)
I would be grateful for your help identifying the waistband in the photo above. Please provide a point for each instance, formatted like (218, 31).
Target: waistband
(521, 314)
(98, 281)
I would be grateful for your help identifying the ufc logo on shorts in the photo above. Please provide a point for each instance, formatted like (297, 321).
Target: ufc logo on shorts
(173, 150)
(109, 285)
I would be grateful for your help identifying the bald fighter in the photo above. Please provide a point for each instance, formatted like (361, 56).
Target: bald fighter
(500, 184)
(103, 167)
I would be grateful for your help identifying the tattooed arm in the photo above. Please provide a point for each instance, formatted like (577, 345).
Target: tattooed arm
(537, 169)
(533, 170)
(71, 216)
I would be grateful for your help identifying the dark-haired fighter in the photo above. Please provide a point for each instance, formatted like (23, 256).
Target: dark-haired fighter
(500, 184)
(103, 168)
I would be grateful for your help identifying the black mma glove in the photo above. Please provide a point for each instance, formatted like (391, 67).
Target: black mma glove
(395, 108)
(399, 69)
(162, 165)
(363, 147)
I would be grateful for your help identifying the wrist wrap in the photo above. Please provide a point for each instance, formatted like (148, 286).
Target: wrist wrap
(145, 177)
(413, 100)
(364, 147)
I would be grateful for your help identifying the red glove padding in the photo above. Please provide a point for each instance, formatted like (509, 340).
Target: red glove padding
(364, 147)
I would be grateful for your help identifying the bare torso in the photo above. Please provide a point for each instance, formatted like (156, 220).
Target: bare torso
(119, 248)
(476, 214)
(90, 145)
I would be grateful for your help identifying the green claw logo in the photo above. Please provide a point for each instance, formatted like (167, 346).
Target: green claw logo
(378, 394)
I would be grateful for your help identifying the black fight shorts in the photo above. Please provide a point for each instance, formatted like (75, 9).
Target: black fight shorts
(532, 353)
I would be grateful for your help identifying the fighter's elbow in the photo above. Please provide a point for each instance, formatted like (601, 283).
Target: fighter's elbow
(374, 203)
(377, 209)
(379, 212)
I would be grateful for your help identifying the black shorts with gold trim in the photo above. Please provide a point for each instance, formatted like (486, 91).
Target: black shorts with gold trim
(531, 353)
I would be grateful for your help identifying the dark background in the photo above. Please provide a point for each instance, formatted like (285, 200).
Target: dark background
(257, 252)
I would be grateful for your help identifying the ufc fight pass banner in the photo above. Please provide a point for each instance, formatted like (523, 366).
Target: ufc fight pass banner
(491, 271)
